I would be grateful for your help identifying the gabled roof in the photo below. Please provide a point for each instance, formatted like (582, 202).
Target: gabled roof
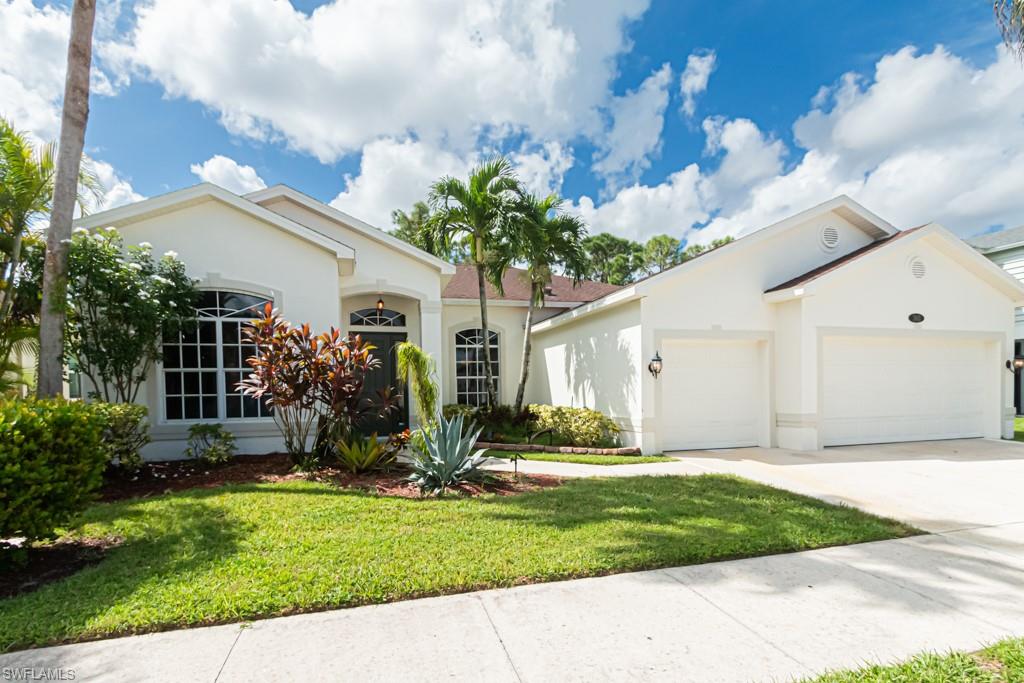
(998, 241)
(197, 194)
(827, 268)
(859, 216)
(517, 287)
(951, 245)
(350, 222)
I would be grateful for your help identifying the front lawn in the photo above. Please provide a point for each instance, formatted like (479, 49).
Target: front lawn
(584, 458)
(1000, 663)
(243, 551)
(1018, 429)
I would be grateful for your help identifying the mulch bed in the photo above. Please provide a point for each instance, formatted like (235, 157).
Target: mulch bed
(25, 570)
(157, 478)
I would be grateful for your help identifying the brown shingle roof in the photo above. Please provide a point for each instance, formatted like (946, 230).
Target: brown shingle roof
(463, 285)
(841, 261)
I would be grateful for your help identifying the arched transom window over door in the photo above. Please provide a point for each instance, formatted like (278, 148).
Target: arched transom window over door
(203, 363)
(373, 317)
(470, 380)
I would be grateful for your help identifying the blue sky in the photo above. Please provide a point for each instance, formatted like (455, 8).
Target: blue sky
(182, 83)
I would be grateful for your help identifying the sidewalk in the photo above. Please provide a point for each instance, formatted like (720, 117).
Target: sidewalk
(766, 618)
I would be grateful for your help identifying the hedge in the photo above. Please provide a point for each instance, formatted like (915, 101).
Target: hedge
(52, 458)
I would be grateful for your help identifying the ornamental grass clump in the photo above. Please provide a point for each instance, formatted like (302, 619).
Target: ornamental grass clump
(445, 457)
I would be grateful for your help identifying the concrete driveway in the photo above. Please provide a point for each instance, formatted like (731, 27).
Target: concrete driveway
(938, 486)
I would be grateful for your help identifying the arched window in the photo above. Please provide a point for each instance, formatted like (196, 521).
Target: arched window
(203, 363)
(470, 380)
(384, 317)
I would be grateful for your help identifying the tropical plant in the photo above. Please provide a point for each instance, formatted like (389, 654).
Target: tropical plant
(479, 212)
(51, 464)
(445, 458)
(210, 444)
(361, 455)
(414, 228)
(119, 302)
(420, 371)
(314, 383)
(125, 432)
(1010, 17)
(547, 239)
(74, 116)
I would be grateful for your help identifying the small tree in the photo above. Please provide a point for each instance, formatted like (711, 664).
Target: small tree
(119, 303)
(418, 368)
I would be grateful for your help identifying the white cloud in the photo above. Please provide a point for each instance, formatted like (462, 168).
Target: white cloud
(542, 170)
(229, 174)
(928, 137)
(694, 79)
(349, 73)
(117, 190)
(638, 118)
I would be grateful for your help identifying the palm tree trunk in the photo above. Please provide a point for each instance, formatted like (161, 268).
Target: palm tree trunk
(69, 159)
(527, 342)
(492, 395)
(11, 267)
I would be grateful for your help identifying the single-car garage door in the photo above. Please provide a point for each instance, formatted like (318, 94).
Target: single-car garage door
(886, 389)
(712, 394)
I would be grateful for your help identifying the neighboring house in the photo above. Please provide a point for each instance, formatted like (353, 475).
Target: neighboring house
(321, 266)
(1006, 249)
(830, 327)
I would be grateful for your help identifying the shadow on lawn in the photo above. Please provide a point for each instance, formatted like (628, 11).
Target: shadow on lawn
(182, 534)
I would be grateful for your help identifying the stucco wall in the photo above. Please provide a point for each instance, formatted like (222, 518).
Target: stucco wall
(595, 362)
(507, 321)
(228, 249)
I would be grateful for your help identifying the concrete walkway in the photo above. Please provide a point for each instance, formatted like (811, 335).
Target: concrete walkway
(770, 618)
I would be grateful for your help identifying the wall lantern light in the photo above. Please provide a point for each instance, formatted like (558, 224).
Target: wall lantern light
(1016, 364)
(380, 305)
(654, 367)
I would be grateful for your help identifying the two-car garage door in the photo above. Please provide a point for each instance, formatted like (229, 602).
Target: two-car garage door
(873, 390)
(886, 389)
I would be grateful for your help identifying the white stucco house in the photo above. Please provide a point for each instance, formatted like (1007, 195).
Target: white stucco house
(830, 327)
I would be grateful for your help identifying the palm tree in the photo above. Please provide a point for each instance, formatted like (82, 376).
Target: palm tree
(26, 196)
(547, 238)
(74, 117)
(480, 213)
(1010, 17)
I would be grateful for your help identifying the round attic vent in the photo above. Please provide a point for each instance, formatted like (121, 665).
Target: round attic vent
(917, 268)
(829, 237)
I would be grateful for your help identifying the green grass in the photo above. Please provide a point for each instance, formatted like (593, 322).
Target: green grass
(1000, 663)
(1018, 429)
(584, 458)
(246, 551)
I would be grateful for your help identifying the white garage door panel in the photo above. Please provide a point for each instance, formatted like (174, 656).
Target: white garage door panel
(885, 389)
(711, 394)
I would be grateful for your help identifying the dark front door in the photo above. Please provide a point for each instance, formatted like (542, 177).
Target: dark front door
(385, 376)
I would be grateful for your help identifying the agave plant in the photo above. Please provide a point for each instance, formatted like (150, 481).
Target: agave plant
(445, 458)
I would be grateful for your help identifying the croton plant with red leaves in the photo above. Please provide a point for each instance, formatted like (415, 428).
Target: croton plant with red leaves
(313, 382)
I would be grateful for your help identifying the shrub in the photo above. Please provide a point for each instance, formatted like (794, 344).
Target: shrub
(419, 369)
(364, 455)
(210, 443)
(578, 426)
(452, 409)
(125, 432)
(51, 464)
(446, 456)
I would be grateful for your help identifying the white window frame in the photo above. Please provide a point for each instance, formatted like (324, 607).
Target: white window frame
(480, 377)
(222, 389)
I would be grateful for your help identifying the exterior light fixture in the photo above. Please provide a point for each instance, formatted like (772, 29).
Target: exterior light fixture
(380, 305)
(654, 367)
(1016, 364)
